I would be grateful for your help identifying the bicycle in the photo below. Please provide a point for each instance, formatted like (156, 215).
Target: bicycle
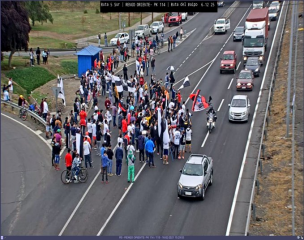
(23, 113)
(67, 176)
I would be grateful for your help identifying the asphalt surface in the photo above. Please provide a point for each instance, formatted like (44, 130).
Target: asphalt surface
(151, 207)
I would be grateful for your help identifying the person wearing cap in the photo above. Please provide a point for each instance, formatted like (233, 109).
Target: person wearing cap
(131, 168)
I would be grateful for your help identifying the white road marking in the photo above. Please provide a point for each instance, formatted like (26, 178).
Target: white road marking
(249, 137)
(194, 72)
(38, 132)
(187, 58)
(238, 66)
(207, 135)
(220, 105)
(230, 83)
(193, 51)
(184, 61)
(120, 201)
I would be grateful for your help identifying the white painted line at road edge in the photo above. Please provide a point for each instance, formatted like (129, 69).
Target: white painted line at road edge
(249, 137)
(120, 201)
(238, 66)
(230, 83)
(216, 57)
(35, 132)
(207, 135)
(220, 105)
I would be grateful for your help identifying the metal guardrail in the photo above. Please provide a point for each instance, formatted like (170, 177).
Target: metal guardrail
(31, 113)
(265, 123)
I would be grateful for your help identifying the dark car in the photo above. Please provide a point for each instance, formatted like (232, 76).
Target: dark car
(245, 80)
(238, 33)
(253, 65)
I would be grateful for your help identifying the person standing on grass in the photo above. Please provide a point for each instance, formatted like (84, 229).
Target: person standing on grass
(106, 39)
(149, 147)
(110, 157)
(38, 52)
(131, 168)
(99, 37)
(104, 167)
(119, 158)
(32, 57)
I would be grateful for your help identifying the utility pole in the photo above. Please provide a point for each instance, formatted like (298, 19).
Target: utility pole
(289, 70)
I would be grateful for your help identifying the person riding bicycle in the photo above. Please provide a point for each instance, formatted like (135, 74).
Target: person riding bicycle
(76, 166)
(211, 110)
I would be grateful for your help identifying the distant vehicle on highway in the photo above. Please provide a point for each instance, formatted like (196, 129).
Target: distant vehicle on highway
(196, 176)
(228, 62)
(221, 25)
(253, 65)
(245, 80)
(184, 16)
(157, 27)
(142, 31)
(239, 108)
(238, 33)
(275, 4)
(258, 4)
(175, 19)
(220, 3)
(123, 38)
(273, 13)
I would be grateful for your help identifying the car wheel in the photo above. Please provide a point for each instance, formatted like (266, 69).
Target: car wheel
(203, 194)
(211, 179)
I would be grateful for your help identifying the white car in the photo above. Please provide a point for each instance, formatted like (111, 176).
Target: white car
(239, 108)
(221, 25)
(273, 13)
(275, 4)
(220, 3)
(142, 31)
(157, 27)
(123, 38)
(184, 16)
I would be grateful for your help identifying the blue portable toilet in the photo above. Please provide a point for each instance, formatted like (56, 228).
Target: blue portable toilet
(86, 58)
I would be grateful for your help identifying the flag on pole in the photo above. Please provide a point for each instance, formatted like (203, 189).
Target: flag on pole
(61, 92)
(186, 83)
(199, 102)
(118, 83)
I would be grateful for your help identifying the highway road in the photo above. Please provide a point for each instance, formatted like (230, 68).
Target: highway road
(150, 206)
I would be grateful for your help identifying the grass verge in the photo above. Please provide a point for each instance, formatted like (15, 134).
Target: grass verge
(47, 43)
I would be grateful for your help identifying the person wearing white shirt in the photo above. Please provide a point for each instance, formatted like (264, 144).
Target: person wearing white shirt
(108, 116)
(6, 95)
(87, 152)
(94, 133)
(141, 90)
(11, 88)
(45, 109)
(89, 126)
(188, 138)
(166, 147)
(120, 140)
(105, 129)
(176, 141)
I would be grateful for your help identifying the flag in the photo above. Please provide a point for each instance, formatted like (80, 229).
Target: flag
(121, 107)
(199, 102)
(186, 83)
(118, 83)
(61, 92)
(166, 137)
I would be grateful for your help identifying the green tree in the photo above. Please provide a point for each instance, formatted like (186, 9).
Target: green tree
(38, 11)
(15, 27)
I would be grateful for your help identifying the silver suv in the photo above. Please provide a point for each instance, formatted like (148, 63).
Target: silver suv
(239, 108)
(196, 176)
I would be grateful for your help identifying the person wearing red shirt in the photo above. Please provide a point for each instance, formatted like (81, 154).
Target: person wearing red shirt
(179, 98)
(107, 103)
(124, 126)
(109, 65)
(88, 138)
(82, 122)
(68, 161)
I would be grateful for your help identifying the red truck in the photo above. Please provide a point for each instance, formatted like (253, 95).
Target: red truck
(228, 62)
(256, 34)
(175, 18)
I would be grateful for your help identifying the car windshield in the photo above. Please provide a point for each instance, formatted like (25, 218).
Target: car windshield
(272, 10)
(275, 4)
(253, 42)
(238, 103)
(252, 62)
(239, 30)
(117, 35)
(140, 28)
(228, 57)
(193, 169)
(220, 21)
(245, 75)
(258, 2)
(154, 24)
(174, 14)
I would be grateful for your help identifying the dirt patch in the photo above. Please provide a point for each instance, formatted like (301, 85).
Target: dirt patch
(274, 200)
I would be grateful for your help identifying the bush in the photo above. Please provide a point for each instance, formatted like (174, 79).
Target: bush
(31, 78)
(96, 11)
(85, 11)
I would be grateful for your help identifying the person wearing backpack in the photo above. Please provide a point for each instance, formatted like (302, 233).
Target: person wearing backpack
(131, 166)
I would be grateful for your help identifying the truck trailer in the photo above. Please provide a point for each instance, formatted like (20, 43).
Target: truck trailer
(256, 34)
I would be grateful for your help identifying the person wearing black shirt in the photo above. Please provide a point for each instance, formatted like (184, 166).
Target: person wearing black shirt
(38, 52)
(181, 121)
(110, 157)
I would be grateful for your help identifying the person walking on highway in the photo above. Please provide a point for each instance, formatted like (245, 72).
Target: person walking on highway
(176, 141)
(110, 157)
(106, 39)
(125, 72)
(149, 147)
(181, 32)
(87, 152)
(147, 66)
(104, 167)
(119, 158)
(169, 44)
(141, 147)
(174, 40)
(171, 41)
(131, 168)
(56, 150)
(153, 65)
